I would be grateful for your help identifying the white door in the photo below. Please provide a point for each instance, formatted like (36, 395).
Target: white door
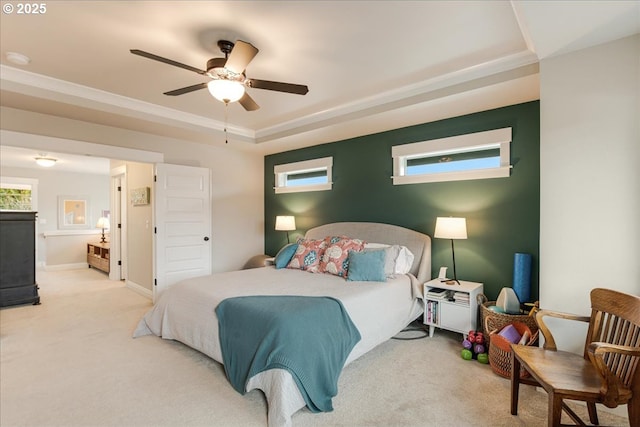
(182, 225)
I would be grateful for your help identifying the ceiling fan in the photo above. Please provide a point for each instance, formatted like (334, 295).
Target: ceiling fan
(228, 80)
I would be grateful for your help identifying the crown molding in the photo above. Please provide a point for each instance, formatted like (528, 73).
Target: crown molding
(41, 86)
(492, 72)
(500, 70)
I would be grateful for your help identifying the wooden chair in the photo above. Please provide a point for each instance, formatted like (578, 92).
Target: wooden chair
(608, 373)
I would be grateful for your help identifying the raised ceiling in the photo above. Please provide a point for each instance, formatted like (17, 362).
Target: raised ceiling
(370, 66)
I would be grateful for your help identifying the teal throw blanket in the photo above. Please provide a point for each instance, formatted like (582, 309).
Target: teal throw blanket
(311, 337)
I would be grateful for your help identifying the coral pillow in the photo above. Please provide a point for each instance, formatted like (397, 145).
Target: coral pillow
(335, 259)
(307, 255)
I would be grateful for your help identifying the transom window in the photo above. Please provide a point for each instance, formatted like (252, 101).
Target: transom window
(472, 156)
(309, 175)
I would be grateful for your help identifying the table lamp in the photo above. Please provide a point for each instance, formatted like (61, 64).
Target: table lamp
(451, 228)
(103, 223)
(285, 223)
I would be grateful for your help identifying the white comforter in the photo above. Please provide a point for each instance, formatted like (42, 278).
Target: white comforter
(186, 313)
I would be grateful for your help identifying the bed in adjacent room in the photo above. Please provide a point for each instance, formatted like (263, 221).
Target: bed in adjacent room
(209, 313)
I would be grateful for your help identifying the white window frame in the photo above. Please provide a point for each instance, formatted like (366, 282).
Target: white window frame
(498, 138)
(282, 171)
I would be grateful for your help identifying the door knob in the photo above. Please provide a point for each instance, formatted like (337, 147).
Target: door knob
(206, 238)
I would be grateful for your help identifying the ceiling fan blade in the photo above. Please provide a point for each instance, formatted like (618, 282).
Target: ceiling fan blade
(187, 89)
(278, 86)
(166, 61)
(248, 103)
(240, 56)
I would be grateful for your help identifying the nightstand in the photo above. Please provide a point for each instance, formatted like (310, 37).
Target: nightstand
(258, 261)
(451, 306)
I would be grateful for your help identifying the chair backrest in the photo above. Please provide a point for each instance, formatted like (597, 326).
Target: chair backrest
(615, 319)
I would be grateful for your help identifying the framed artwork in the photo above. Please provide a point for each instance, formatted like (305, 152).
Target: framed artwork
(140, 196)
(73, 212)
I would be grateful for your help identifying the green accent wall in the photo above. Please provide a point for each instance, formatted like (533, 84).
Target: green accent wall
(503, 214)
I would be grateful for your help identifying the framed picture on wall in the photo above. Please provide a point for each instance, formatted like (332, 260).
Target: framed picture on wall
(73, 212)
(139, 196)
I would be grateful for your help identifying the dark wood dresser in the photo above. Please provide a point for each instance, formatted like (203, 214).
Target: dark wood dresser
(18, 258)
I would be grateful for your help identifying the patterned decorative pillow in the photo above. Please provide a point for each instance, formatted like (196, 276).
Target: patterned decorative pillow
(307, 256)
(335, 259)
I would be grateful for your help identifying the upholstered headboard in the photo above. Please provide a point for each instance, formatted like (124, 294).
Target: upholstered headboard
(419, 244)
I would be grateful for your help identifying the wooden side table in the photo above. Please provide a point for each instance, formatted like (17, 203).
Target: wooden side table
(98, 256)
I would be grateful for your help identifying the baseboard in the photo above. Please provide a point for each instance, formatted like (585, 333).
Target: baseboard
(61, 267)
(139, 289)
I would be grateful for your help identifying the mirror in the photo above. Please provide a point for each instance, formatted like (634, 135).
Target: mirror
(73, 212)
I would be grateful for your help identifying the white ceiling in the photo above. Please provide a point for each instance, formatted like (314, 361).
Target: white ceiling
(25, 158)
(370, 66)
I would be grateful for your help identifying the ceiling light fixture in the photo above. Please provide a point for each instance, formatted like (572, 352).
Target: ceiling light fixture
(17, 58)
(44, 161)
(226, 90)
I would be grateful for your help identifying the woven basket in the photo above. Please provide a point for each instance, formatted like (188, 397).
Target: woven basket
(500, 320)
(500, 350)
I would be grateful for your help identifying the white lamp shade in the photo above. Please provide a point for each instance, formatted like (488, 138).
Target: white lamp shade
(450, 228)
(285, 223)
(103, 222)
(226, 90)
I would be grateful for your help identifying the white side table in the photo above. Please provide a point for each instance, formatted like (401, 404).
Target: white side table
(443, 310)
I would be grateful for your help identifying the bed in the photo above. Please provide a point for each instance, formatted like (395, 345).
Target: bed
(379, 310)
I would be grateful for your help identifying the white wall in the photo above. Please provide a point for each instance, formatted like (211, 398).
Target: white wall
(237, 177)
(590, 177)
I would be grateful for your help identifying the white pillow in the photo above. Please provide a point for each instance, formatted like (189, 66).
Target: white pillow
(398, 259)
(368, 245)
(402, 259)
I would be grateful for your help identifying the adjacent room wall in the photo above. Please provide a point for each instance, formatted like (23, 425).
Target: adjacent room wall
(62, 251)
(590, 183)
(502, 214)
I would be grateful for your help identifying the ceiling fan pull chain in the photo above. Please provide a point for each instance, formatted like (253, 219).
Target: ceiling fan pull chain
(226, 119)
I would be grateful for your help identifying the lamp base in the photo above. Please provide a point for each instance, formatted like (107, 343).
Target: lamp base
(103, 239)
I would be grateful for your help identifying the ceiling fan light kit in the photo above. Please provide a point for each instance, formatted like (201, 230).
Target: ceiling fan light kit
(228, 82)
(226, 90)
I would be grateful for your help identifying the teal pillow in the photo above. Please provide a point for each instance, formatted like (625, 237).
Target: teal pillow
(285, 254)
(366, 266)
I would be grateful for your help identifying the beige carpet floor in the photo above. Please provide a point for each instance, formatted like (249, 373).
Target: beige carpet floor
(71, 361)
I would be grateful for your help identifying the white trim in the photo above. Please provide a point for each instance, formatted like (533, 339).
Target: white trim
(139, 289)
(517, 65)
(497, 138)
(29, 83)
(61, 267)
(513, 66)
(55, 233)
(321, 164)
(70, 146)
(303, 188)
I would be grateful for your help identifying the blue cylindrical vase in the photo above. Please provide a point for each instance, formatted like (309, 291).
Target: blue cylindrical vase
(522, 276)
